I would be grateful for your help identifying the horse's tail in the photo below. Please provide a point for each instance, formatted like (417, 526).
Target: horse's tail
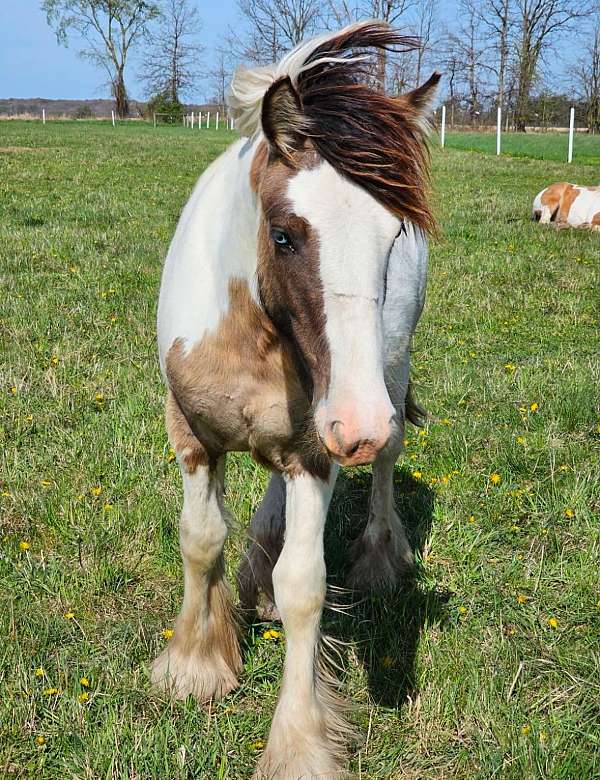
(414, 412)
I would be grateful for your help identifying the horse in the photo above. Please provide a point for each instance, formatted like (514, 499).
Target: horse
(289, 297)
(568, 205)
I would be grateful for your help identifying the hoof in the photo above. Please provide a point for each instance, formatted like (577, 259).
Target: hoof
(381, 562)
(274, 765)
(181, 675)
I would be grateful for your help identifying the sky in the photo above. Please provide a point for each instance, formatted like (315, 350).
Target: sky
(32, 64)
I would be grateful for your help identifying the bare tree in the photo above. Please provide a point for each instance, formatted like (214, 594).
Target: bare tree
(425, 27)
(273, 27)
(171, 65)
(498, 18)
(541, 22)
(587, 80)
(219, 79)
(110, 29)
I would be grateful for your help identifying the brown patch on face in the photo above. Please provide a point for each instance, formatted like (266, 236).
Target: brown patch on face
(289, 277)
(238, 389)
(190, 451)
(259, 164)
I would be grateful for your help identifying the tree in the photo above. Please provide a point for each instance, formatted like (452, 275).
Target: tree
(171, 65)
(587, 80)
(220, 78)
(497, 16)
(110, 29)
(273, 27)
(541, 23)
(426, 23)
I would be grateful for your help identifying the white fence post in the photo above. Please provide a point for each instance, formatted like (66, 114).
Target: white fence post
(499, 131)
(112, 113)
(571, 129)
(199, 120)
(43, 115)
(217, 122)
(154, 118)
(443, 129)
(208, 119)
(192, 120)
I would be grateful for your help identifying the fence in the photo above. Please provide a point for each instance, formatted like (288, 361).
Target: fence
(499, 132)
(202, 120)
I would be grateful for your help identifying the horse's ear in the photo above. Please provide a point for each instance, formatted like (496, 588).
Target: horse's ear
(421, 99)
(282, 120)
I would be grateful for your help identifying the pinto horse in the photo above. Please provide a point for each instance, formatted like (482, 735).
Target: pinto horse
(568, 205)
(289, 296)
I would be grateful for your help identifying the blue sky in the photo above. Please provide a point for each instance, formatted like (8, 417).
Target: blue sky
(32, 64)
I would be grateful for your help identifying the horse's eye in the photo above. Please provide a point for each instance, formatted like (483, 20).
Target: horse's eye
(281, 238)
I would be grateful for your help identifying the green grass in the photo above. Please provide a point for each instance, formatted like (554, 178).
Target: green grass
(453, 677)
(540, 146)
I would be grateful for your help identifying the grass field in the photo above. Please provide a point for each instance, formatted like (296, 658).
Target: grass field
(484, 665)
(540, 146)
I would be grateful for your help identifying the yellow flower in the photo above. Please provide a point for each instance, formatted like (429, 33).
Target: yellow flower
(462, 610)
(534, 407)
(99, 397)
(446, 421)
(510, 367)
(495, 478)
(258, 744)
(171, 455)
(569, 513)
(387, 661)
(107, 507)
(553, 622)
(422, 433)
(406, 442)
(6, 494)
(24, 545)
(69, 615)
(417, 475)
(83, 697)
(471, 518)
(54, 360)
(598, 429)
(521, 599)
(13, 390)
(543, 736)
(564, 467)
(515, 528)
(50, 691)
(39, 672)
(73, 269)
(520, 440)
(525, 730)
(29, 418)
(95, 491)
(40, 740)
(45, 482)
(167, 633)
(271, 634)
(85, 682)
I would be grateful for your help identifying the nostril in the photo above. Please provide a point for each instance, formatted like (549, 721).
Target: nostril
(353, 449)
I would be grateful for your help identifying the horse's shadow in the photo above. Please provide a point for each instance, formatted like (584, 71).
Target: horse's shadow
(382, 628)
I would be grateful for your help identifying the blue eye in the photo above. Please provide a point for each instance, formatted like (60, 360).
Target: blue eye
(281, 238)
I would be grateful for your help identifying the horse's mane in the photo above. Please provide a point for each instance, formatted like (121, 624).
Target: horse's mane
(375, 140)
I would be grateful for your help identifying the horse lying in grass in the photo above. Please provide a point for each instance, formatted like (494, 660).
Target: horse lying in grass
(568, 205)
(290, 293)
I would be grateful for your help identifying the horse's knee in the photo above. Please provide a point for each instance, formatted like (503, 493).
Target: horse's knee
(299, 588)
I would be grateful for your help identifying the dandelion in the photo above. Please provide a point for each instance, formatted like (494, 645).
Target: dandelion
(50, 691)
(271, 634)
(54, 360)
(521, 599)
(45, 482)
(534, 407)
(553, 622)
(99, 398)
(258, 744)
(23, 545)
(564, 467)
(84, 682)
(462, 610)
(83, 697)
(515, 529)
(570, 513)
(422, 433)
(73, 269)
(69, 615)
(510, 367)
(167, 633)
(108, 506)
(171, 455)
(13, 390)
(495, 478)
(95, 491)
(525, 730)
(471, 518)
(29, 418)
(543, 736)
(416, 474)
(6, 494)
(39, 672)
(40, 740)
(520, 440)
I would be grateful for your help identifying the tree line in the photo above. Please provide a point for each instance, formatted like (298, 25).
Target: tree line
(506, 53)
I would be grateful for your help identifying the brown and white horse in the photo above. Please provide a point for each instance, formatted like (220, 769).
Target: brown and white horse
(290, 293)
(568, 205)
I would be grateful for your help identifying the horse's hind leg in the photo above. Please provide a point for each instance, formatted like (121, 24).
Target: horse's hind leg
(266, 533)
(203, 657)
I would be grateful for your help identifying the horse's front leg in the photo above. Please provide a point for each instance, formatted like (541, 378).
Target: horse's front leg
(203, 657)
(307, 732)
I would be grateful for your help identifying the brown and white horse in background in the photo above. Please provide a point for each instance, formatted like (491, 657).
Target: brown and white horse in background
(289, 297)
(568, 205)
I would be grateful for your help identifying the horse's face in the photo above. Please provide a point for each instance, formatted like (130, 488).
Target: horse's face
(324, 245)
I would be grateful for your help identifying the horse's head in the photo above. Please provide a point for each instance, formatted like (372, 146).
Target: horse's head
(332, 207)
